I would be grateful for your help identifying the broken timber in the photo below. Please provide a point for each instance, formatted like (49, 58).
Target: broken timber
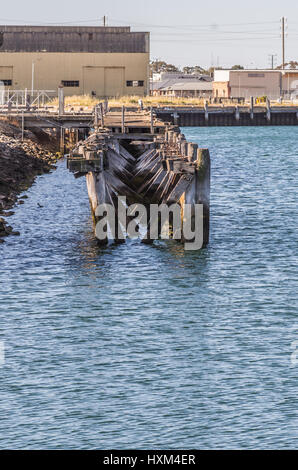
(147, 161)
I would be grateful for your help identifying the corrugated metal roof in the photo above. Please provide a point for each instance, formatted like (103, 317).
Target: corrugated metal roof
(186, 85)
(72, 39)
(184, 79)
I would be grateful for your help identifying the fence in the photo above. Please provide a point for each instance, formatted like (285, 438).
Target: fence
(25, 99)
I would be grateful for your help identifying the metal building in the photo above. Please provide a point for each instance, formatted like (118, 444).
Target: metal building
(100, 61)
(247, 83)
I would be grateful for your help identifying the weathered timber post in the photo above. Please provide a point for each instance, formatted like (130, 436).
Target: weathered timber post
(198, 192)
(96, 116)
(123, 120)
(192, 152)
(251, 107)
(176, 118)
(61, 100)
(106, 106)
(151, 121)
(203, 189)
(171, 136)
(268, 110)
(102, 115)
(237, 113)
(23, 125)
(183, 147)
(62, 140)
(206, 111)
(177, 137)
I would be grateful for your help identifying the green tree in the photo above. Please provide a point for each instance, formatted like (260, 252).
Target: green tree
(158, 66)
(237, 67)
(293, 64)
(194, 69)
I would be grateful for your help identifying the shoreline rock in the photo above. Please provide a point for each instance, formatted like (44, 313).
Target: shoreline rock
(20, 163)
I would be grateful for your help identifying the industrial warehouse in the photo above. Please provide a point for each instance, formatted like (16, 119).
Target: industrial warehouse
(100, 61)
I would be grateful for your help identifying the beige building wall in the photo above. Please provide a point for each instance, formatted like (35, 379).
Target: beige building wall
(255, 83)
(106, 74)
(221, 90)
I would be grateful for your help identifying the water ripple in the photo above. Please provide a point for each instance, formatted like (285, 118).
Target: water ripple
(135, 346)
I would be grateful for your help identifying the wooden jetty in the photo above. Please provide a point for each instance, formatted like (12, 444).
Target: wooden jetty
(148, 161)
(194, 116)
(249, 115)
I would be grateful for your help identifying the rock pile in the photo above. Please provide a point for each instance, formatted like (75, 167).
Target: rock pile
(20, 163)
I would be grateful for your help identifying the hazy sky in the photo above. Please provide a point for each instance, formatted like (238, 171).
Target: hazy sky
(188, 32)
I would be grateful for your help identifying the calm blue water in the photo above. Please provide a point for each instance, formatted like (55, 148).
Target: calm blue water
(152, 347)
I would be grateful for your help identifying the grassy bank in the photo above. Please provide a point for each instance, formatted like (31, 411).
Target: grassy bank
(87, 101)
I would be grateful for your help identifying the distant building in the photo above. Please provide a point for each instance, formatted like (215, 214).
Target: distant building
(100, 61)
(290, 83)
(246, 83)
(177, 84)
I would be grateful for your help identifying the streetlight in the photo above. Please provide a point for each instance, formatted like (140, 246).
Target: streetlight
(32, 76)
(32, 79)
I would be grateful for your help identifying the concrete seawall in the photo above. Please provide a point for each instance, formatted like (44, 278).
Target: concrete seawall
(229, 116)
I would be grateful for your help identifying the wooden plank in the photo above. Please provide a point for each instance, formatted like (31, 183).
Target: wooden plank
(180, 188)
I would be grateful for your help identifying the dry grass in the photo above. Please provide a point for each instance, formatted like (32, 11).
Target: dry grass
(86, 101)
(157, 101)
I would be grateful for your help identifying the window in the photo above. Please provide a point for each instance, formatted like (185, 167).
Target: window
(70, 83)
(90, 36)
(256, 75)
(135, 83)
(6, 82)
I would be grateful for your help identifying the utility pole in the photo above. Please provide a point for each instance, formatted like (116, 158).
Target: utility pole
(272, 58)
(283, 41)
(104, 21)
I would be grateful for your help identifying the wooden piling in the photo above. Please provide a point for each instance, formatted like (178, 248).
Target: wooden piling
(62, 140)
(159, 169)
(61, 100)
(203, 189)
(151, 121)
(23, 125)
(123, 120)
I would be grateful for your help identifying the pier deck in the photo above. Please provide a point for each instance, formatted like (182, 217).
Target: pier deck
(181, 116)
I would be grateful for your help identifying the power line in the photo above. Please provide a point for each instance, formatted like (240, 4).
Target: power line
(216, 40)
(283, 41)
(215, 25)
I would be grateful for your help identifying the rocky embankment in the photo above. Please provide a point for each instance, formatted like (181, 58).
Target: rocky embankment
(20, 163)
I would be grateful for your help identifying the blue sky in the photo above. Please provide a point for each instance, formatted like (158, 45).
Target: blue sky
(189, 32)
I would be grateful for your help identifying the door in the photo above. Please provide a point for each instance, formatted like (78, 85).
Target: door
(114, 81)
(93, 81)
